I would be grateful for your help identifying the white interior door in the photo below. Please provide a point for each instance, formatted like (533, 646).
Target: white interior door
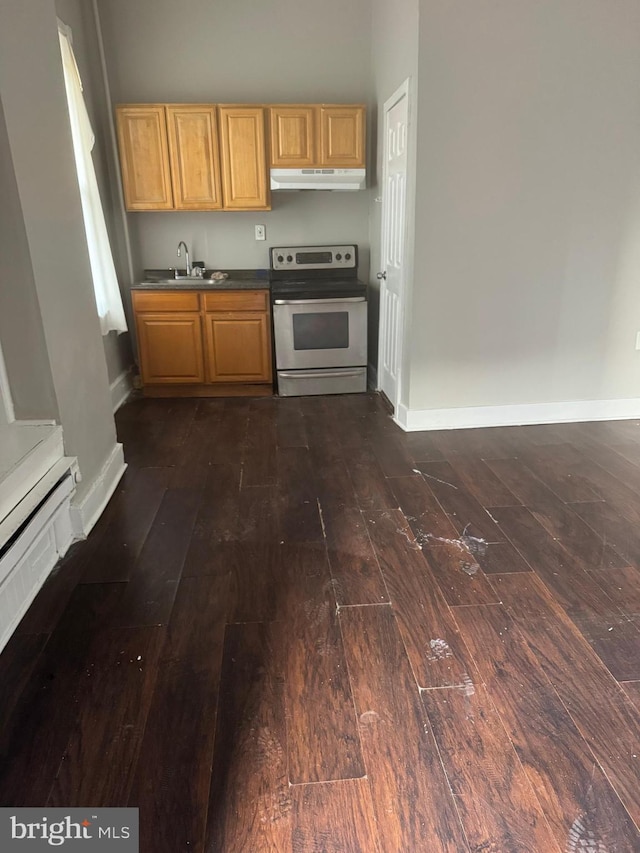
(393, 264)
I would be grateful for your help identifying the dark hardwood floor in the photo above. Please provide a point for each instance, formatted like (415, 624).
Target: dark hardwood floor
(298, 629)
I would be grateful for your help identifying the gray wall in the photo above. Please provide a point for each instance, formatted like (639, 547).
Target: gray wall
(39, 136)
(78, 14)
(21, 332)
(528, 203)
(277, 50)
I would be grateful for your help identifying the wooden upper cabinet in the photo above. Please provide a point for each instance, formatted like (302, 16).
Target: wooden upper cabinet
(144, 156)
(244, 166)
(193, 150)
(317, 136)
(342, 134)
(293, 135)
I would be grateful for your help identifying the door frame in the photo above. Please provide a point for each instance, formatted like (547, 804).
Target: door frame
(404, 90)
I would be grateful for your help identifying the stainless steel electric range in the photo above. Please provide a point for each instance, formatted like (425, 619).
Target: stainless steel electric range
(319, 312)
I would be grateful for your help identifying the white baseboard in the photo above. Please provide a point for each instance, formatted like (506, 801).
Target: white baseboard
(121, 388)
(517, 415)
(86, 511)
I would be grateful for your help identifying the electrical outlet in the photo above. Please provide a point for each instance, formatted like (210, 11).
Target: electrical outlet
(637, 340)
(261, 232)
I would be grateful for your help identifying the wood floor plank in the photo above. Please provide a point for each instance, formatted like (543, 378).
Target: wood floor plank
(250, 797)
(619, 533)
(421, 508)
(558, 466)
(392, 455)
(466, 723)
(150, 593)
(297, 496)
(462, 508)
(119, 547)
(415, 811)
(259, 467)
(369, 482)
(624, 468)
(208, 558)
(99, 760)
(33, 743)
(556, 517)
(480, 481)
(258, 514)
(259, 584)
(290, 424)
(616, 637)
(334, 818)
(595, 701)
(632, 691)
(322, 734)
(428, 629)
(334, 487)
(502, 557)
(421, 447)
(17, 662)
(621, 498)
(179, 735)
(578, 801)
(354, 567)
(230, 430)
(218, 516)
(192, 466)
(457, 572)
(574, 587)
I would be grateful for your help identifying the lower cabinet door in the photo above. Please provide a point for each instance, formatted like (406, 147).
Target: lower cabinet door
(238, 347)
(170, 348)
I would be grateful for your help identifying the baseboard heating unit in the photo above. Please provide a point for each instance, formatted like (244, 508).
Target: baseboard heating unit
(33, 536)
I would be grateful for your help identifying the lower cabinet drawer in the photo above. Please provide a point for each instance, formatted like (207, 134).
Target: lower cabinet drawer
(158, 300)
(238, 300)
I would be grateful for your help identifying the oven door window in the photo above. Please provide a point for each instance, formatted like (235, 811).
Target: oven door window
(315, 330)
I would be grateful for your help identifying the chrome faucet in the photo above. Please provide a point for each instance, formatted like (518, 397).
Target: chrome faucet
(186, 254)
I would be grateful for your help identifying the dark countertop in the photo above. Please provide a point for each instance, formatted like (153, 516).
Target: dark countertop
(238, 280)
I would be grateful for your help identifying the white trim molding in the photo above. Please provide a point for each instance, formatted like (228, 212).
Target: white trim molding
(121, 388)
(519, 414)
(24, 567)
(86, 511)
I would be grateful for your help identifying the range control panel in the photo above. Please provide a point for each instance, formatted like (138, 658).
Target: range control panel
(314, 257)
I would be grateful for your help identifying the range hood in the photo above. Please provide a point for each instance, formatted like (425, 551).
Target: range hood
(318, 179)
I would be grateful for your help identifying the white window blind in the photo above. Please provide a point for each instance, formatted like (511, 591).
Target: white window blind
(105, 282)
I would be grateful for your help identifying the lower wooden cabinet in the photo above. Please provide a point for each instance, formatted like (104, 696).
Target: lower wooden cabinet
(204, 343)
(170, 348)
(237, 347)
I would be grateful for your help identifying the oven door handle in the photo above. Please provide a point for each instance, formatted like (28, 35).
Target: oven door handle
(337, 299)
(323, 374)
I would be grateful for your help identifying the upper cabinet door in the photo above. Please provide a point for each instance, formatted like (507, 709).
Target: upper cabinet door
(244, 165)
(342, 134)
(193, 149)
(144, 156)
(293, 134)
